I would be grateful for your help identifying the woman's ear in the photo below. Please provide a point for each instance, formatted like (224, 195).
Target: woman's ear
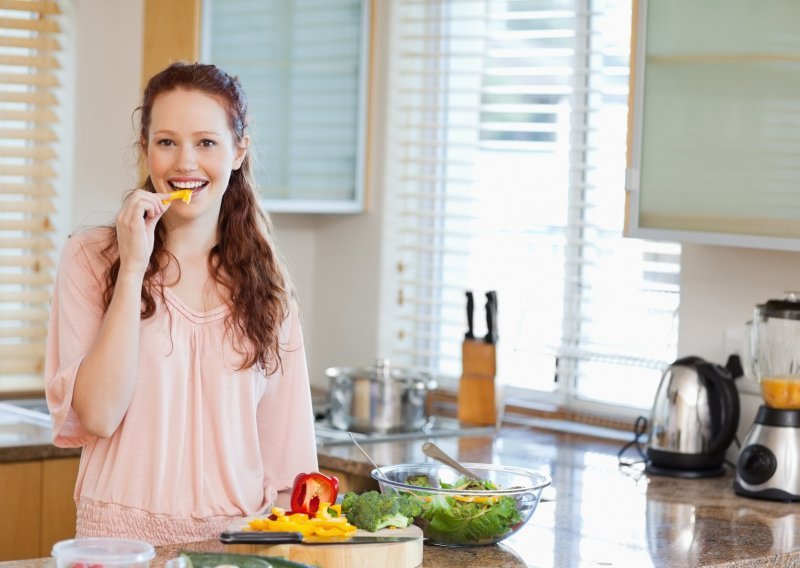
(241, 152)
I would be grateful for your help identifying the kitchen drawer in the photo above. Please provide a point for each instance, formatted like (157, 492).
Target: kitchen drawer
(38, 508)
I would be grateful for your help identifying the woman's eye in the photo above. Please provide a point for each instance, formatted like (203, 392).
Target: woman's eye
(206, 143)
(165, 142)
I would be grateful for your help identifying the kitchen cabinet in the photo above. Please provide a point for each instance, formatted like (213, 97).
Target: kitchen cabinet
(305, 68)
(37, 509)
(714, 123)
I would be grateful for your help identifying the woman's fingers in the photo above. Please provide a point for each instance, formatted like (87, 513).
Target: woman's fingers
(141, 204)
(136, 223)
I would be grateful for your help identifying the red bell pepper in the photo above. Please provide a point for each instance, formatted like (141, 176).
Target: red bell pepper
(311, 489)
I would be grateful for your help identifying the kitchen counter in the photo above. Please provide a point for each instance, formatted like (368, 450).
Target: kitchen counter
(25, 439)
(594, 514)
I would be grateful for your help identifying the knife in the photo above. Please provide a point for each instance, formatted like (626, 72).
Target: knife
(491, 317)
(470, 309)
(274, 537)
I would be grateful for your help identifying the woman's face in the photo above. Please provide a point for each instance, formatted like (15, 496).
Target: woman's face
(191, 146)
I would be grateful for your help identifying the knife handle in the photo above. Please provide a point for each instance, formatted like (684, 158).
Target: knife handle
(491, 317)
(260, 537)
(470, 310)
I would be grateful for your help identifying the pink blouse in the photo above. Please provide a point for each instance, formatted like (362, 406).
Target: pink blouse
(202, 443)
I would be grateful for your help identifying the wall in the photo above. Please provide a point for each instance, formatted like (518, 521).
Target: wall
(108, 67)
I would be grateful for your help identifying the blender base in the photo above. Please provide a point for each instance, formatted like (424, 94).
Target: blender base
(765, 494)
(767, 464)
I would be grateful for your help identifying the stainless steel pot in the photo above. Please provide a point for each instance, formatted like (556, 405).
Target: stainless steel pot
(377, 398)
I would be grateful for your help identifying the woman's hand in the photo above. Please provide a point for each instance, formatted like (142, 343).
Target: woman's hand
(136, 225)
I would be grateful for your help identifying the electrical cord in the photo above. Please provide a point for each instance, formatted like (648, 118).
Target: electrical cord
(639, 429)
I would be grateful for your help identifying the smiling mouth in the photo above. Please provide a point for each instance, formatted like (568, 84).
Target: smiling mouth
(194, 186)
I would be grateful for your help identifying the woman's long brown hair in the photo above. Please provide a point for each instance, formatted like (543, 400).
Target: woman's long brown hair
(243, 260)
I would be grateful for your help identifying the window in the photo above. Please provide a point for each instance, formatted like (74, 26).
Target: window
(29, 105)
(303, 64)
(506, 172)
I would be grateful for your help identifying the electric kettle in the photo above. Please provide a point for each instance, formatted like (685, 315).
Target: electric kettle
(694, 418)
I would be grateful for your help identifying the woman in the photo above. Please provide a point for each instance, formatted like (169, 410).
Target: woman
(175, 355)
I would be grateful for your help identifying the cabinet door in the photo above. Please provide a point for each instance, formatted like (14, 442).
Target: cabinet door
(715, 120)
(20, 507)
(305, 68)
(58, 503)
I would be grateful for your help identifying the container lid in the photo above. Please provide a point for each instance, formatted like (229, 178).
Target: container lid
(786, 308)
(382, 370)
(99, 550)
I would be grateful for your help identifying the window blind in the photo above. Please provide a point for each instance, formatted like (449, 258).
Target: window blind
(507, 160)
(302, 63)
(29, 65)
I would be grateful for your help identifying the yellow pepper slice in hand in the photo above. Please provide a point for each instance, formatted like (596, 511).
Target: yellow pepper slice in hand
(184, 195)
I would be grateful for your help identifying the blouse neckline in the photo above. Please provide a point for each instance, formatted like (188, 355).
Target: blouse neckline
(213, 314)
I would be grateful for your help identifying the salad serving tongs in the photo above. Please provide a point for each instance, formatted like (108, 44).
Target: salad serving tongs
(435, 452)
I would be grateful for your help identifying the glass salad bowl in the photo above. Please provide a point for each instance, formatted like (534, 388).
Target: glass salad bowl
(457, 515)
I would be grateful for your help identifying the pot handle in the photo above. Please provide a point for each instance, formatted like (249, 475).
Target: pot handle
(725, 405)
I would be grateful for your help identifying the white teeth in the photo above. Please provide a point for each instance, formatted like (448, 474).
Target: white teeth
(187, 184)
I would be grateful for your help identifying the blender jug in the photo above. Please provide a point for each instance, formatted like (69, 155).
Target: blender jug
(775, 351)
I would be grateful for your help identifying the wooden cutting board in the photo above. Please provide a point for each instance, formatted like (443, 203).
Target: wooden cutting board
(384, 555)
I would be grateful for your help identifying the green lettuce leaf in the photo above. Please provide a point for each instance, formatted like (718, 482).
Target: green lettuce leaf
(460, 522)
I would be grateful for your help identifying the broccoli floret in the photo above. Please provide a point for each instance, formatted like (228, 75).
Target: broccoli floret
(373, 511)
(347, 501)
(409, 506)
(418, 480)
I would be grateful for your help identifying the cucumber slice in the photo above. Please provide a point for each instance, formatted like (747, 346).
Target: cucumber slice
(212, 560)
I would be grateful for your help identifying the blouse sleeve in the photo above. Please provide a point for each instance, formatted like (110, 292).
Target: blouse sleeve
(285, 416)
(76, 313)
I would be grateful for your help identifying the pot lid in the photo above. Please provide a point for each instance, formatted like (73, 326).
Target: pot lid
(786, 308)
(380, 370)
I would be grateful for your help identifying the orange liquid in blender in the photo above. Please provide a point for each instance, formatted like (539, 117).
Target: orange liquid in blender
(781, 392)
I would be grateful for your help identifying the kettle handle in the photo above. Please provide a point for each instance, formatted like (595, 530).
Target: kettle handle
(723, 382)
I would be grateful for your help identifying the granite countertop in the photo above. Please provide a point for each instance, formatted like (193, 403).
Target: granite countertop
(25, 439)
(594, 513)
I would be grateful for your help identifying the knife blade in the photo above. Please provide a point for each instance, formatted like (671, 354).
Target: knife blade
(274, 537)
(470, 310)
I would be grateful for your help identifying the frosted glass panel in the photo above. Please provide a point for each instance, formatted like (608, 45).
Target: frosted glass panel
(720, 138)
(302, 64)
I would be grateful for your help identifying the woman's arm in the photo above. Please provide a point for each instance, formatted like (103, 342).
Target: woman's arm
(106, 378)
(285, 415)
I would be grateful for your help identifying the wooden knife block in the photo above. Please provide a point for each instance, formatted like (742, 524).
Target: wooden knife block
(476, 390)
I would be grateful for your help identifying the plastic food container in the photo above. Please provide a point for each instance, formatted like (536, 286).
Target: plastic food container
(103, 553)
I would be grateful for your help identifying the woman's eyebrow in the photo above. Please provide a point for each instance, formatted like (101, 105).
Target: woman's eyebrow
(198, 133)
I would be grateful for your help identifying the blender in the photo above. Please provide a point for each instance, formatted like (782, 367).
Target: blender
(768, 465)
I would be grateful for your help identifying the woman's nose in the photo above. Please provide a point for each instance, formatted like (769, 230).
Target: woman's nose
(187, 159)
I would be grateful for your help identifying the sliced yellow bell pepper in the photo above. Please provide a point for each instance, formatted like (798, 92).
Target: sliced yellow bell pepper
(184, 195)
(477, 499)
(321, 524)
